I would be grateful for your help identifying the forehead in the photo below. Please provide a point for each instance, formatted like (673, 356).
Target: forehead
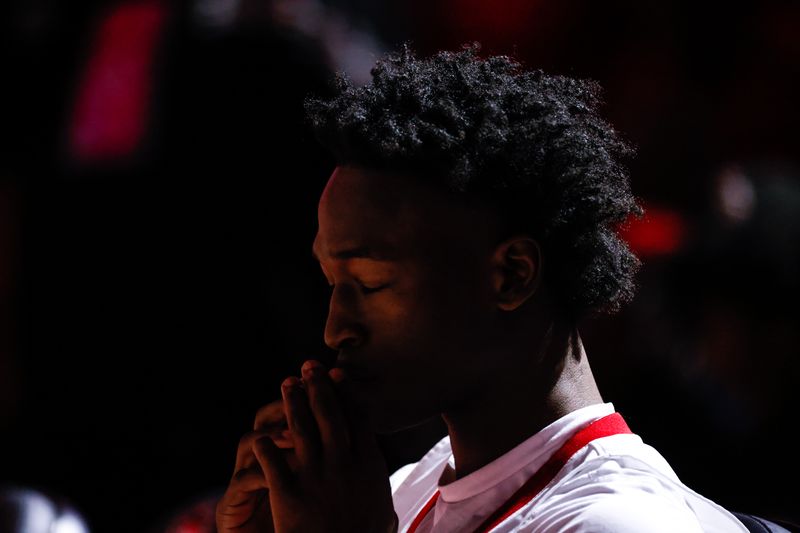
(364, 208)
(397, 214)
(356, 191)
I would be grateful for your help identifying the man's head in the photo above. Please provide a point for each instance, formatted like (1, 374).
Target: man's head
(493, 195)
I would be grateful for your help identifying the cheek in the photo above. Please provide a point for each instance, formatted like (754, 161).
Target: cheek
(396, 309)
(458, 303)
(403, 322)
(425, 341)
(438, 316)
(445, 320)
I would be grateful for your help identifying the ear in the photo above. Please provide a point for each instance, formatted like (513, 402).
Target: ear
(516, 271)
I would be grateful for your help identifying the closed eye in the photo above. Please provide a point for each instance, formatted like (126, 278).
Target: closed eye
(364, 289)
(370, 290)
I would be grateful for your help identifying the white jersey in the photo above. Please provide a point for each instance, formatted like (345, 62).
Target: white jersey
(614, 484)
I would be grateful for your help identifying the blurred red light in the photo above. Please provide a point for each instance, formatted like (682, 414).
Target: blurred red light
(660, 232)
(497, 22)
(113, 98)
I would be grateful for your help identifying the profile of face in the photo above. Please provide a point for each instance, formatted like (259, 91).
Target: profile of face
(411, 309)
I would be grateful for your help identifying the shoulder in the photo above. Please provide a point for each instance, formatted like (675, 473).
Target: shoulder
(622, 494)
(635, 512)
(396, 479)
(614, 494)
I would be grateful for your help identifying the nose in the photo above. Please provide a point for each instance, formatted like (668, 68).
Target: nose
(342, 327)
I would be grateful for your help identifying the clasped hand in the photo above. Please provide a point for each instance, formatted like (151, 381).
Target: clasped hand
(324, 473)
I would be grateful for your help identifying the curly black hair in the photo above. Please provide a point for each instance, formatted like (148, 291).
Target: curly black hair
(529, 144)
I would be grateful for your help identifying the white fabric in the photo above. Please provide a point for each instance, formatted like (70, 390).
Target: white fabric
(614, 484)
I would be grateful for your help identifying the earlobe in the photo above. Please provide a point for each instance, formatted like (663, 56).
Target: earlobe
(516, 271)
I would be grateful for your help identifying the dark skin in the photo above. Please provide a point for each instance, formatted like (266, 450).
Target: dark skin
(434, 311)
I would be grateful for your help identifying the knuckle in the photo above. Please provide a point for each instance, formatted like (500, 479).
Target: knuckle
(246, 438)
(243, 473)
(270, 414)
(244, 441)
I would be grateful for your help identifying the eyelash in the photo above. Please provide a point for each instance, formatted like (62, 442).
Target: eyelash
(364, 290)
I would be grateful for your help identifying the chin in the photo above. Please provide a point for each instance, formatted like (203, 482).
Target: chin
(390, 421)
(387, 427)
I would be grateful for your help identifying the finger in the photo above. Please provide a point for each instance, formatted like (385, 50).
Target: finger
(362, 435)
(337, 375)
(236, 508)
(276, 471)
(305, 433)
(237, 503)
(328, 413)
(244, 452)
(271, 415)
(249, 479)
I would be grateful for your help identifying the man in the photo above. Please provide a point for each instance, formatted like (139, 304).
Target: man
(468, 227)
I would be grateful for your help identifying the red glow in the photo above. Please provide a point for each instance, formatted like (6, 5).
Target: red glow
(191, 527)
(506, 20)
(660, 232)
(113, 98)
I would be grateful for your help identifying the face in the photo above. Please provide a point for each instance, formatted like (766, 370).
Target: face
(410, 309)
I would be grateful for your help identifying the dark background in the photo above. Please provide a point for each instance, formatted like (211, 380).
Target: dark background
(155, 290)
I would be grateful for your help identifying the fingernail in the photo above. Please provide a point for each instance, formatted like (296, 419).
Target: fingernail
(311, 368)
(289, 384)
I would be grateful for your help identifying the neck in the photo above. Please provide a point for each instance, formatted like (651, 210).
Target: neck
(516, 403)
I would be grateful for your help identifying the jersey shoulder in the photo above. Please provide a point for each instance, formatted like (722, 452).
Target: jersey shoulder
(622, 485)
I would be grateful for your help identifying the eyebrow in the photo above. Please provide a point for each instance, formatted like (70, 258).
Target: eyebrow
(360, 252)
